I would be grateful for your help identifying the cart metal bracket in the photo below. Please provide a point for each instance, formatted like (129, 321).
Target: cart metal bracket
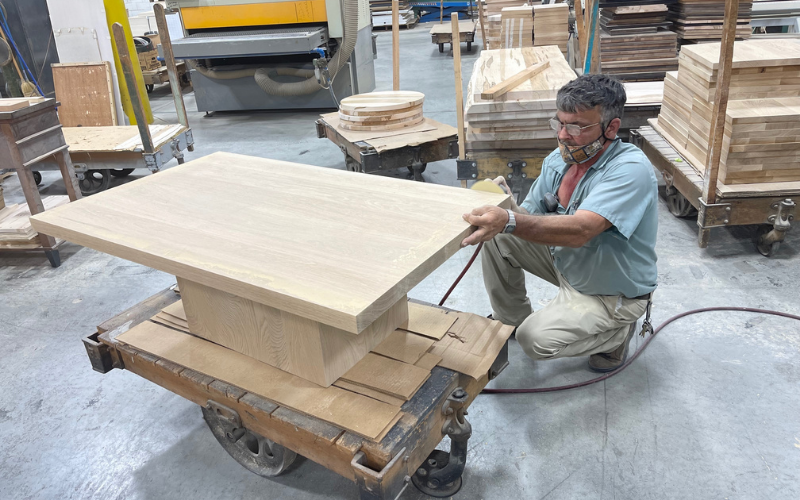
(189, 139)
(452, 149)
(99, 353)
(388, 483)
(500, 363)
(152, 161)
(781, 220)
(713, 214)
(370, 159)
(229, 415)
(320, 124)
(175, 146)
(466, 169)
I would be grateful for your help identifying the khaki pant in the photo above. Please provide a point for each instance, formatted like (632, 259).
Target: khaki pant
(572, 324)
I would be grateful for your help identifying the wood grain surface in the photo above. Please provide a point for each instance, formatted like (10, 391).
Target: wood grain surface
(86, 94)
(244, 225)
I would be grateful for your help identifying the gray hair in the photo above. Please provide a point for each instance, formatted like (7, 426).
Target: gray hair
(588, 91)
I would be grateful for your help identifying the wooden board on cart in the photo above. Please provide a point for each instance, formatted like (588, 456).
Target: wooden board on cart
(86, 93)
(464, 26)
(384, 140)
(366, 401)
(242, 238)
(15, 103)
(116, 139)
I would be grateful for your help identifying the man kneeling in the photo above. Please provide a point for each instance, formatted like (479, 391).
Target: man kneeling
(600, 247)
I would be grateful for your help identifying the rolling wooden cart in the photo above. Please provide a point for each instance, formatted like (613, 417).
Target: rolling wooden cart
(100, 152)
(735, 205)
(29, 135)
(365, 152)
(265, 437)
(441, 34)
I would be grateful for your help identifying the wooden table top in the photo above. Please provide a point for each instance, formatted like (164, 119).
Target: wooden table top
(333, 246)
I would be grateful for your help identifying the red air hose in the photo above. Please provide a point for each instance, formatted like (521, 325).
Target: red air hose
(631, 358)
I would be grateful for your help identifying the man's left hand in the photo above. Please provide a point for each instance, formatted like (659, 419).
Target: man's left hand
(487, 221)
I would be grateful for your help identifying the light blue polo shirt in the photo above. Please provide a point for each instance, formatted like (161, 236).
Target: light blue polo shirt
(622, 188)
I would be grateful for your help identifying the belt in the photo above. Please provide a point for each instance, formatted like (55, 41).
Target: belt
(643, 297)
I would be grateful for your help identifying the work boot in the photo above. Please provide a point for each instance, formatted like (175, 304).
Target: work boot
(513, 334)
(605, 362)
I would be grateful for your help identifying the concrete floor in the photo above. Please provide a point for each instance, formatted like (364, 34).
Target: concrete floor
(710, 410)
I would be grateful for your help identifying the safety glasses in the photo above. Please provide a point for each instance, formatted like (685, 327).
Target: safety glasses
(572, 129)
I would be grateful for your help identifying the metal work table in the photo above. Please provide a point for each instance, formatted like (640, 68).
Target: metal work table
(31, 135)
(242, 421)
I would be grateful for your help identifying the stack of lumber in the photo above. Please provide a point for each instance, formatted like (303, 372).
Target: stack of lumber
(382, 13)
(493, 31)
(15, 226)
(635, 42)
(551, 26)
(495, 7)
(510, 109)
(762, 124)
(378, 111)
(15, 103)
(516, 29)
(367, 399)
(701, 20)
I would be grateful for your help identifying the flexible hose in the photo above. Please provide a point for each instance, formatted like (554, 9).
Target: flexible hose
(641, 349)
(630, 359)
(264, 76)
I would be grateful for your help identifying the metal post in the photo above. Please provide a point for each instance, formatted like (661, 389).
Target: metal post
(172, 67)
(133, 88)
(395, 45)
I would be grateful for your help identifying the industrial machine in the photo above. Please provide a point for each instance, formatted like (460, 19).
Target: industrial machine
(275, 54)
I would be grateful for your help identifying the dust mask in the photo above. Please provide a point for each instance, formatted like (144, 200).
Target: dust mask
(581, 154)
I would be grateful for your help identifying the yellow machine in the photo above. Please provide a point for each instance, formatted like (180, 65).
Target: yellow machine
(273, 54)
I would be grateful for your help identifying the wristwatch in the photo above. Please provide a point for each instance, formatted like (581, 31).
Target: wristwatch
(511, 225)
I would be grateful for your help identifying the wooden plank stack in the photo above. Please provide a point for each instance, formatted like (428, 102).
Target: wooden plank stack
(495, 7)
(382, 14)
(701, 20)
(762, 127)
(516, 29)
(494, 28)
(519, 119)
(15, 225)
(551, 26)
(377, 111)
(635, 42)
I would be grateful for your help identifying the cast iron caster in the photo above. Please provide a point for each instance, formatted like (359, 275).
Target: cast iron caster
(120, 172)
(441, 47)
(149, 87)
(437, 460)
(94, 181)
(351, 165)
(764, 248)
(678, 205)
(416, 173)
(255, 453)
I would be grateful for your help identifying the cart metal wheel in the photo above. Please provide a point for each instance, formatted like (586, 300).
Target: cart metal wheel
(37, 177)
(469, 46)
(94, 181)
(678, 205)
(120, 172)
(255, 453)
(764, 248)
(149, 87)
(441, 47)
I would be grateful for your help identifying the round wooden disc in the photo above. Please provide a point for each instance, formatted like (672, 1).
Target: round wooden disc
(380, 101)
(381, 117)
(400, 124)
